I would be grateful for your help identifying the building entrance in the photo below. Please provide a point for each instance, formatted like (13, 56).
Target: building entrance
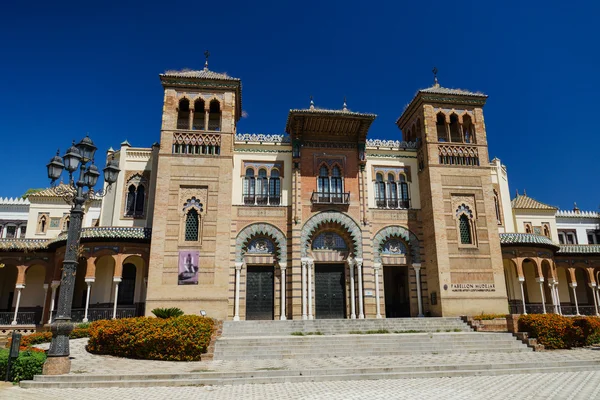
(259, 292)
(397, 294)
(330, 297)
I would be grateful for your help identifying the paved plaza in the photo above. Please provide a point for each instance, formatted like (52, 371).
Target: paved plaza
(563, 385)
(574, 385)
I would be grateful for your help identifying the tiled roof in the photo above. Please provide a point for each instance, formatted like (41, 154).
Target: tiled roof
(200, 74)
(110, 232)
(579, 249)
(525, 202)
(23, 244)
(526, 238)
(53, 191)
(442, 90)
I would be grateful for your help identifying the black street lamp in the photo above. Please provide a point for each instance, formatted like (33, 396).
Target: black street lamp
(77, 156)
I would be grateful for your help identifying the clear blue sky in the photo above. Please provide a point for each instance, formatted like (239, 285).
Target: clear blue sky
(92, 66)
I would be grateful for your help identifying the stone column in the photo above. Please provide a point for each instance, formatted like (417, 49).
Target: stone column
(282, 267)
(44, 308)
(53, 286)
(541, 282)
(557, 295)
(376, 268)
(593, 287)
(304, 262)
(19, 287)
(236, 312)
(417, 268)
(361, 313)
(89, 282)
(116, 280)
(352, 297)
(310, 270)
(521, 281)
(573, 287)
(553, 294)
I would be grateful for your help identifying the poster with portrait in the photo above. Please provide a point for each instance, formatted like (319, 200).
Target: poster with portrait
(188, 267)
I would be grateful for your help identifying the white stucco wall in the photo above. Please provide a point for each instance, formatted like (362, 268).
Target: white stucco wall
(580, 224)
(500, 177)
(536, 218)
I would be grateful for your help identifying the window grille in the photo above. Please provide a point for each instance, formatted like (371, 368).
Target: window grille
(465, 230)
(191, 226)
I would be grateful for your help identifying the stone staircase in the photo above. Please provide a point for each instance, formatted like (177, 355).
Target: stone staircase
(357, 338)
(327, 350)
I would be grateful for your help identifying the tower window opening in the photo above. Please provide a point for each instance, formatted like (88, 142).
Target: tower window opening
(183, 114)
(214, 116)
(455, 133)
(441, 128)
(199, 116)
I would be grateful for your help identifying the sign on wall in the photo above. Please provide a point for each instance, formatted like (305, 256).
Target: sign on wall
(188, 267)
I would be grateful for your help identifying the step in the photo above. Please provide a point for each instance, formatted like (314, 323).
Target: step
(304, 375)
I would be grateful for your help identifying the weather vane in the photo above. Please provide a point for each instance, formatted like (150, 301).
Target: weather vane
(435, 71)
(206, 54)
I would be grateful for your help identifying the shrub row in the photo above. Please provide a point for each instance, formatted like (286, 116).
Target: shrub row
(28, 364)
(559, 332)
(183, 338)
(46, 337)
(486, 317)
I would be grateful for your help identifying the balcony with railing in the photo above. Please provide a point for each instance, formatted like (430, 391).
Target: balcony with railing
(330, 198)
(261, 200)
(382, 202)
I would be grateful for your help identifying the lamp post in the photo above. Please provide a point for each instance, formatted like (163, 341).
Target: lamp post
(78, 156)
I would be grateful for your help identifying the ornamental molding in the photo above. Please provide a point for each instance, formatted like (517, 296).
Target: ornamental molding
(262, 138)
(394, 144)
(396, 232)
(251, 232)
(458, 151)
(374, 155)
(207, 139)
(313, 224)
(260, 151)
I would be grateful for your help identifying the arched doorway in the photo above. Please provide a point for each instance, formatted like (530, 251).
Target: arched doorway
(513, 286)
(260, 248)
(8, 280)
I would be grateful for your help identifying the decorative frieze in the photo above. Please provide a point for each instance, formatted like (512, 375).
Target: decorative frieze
(260, 212)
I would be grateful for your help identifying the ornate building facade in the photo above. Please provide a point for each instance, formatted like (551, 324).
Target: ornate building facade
(320, 222)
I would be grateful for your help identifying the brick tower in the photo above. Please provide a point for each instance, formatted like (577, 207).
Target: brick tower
(461, 243)
(189, 266)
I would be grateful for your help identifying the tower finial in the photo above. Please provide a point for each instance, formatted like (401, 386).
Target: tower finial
(575, 208)
(524, 192)
(517, 192)
(206, 54)
(345, 108)
(312, 103)
(435, 80)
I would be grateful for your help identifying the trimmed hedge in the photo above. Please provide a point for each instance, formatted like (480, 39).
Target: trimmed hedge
(559, 332)
(183, 338)
(487, 317)
(28, 364)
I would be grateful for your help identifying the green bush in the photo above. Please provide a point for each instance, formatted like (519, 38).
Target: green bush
(183, 338)
(28, 364)
(167, 312)
(46, 337)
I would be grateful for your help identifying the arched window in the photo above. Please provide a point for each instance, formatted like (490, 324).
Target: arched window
(336, 184)
(130, 203)
(404, 197)
(42, 223)
(392, 192)
(249, 187)
(214, 116)
(134, 204)
(418, 134)
(323, 184)
(465, 230)
(274, 188)
(191, 225)
(199, 116)
(440, 126)
(380, 198)
(468, 129)
(66, 223)
(497, 205)
(546, 231)
(139, 200)
(455, 134)
(183, 114)
(262, 187)
(527, 228)
(465, 225)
